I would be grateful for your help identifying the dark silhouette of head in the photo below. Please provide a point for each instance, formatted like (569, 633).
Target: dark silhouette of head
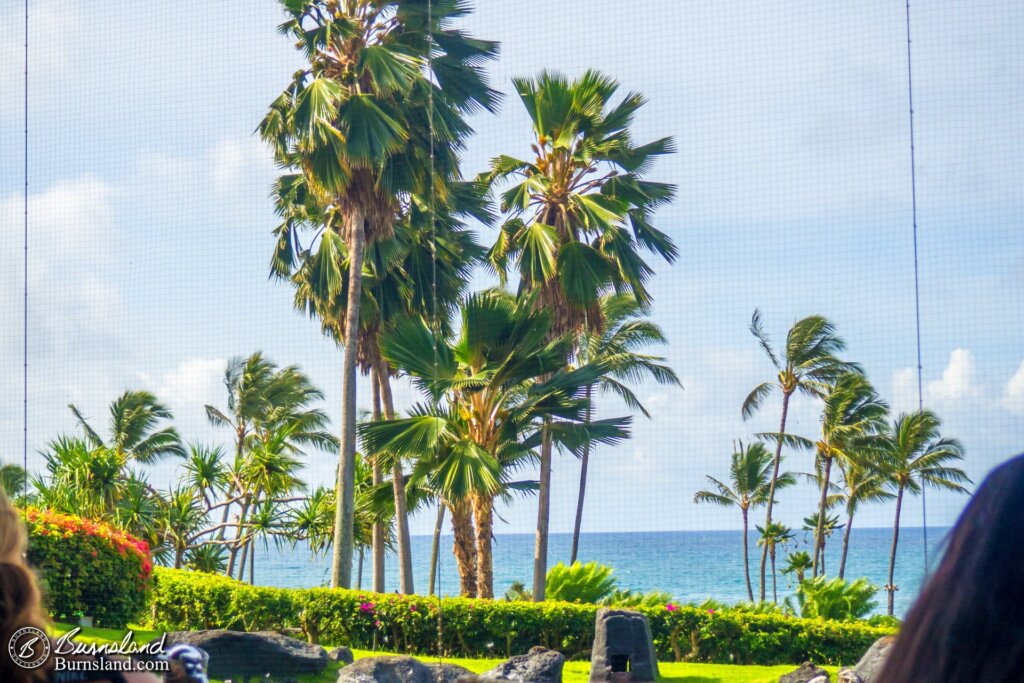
(968, 623)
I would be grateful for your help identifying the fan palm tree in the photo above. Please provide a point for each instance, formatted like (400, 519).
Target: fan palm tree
(750, 477)
(489, 391)
(364, 125)
(915, 455)
(806, 365)
(624, 334)
(139, 429)
(578, 218)
(773, 537)
(863, 482)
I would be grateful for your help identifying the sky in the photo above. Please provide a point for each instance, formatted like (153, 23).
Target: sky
(150, 227)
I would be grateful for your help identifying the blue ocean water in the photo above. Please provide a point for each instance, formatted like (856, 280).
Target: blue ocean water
(689, 565)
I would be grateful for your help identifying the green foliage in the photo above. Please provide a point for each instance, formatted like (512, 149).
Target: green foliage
(836, 598)
(591, 582)
(484, 628)
(88, 568)
(628, 598)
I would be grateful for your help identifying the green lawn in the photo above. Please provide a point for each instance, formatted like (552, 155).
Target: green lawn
(575, 672)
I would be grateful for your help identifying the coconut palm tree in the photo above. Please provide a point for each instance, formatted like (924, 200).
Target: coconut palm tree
(829, 525)
(773, 537)
(864, 481)
(363, 126)
(139, 429)
(750, 478)
(619, 341)
(578, 218)
(489, 391)
(797, 564)
(915, 455)
(806, 365)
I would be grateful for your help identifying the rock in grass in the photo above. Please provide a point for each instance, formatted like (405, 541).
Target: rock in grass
(539, 665)
(870, 665)
(400, 669)
(806, 673)
(240, 656)
(622, 643)
(341, 654)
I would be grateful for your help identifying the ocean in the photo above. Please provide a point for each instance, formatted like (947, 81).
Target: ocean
(690, 565)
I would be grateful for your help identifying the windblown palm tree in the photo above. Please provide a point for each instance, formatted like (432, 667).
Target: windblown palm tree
(806, 365)
(139, 429)
(915, 455)
(578, 218)
(750, 477)
(773, 537)
(489, 392)
(864, 481)
(624, 334)
(360, 129)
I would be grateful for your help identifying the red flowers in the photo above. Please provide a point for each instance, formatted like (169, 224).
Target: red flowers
(671, 608)
(49, 523)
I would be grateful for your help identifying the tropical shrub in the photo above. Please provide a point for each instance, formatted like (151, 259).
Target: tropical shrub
(836, 598)
(481, 628)
(591, 582)
(88, 568)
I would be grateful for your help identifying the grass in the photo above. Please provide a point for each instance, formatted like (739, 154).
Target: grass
(575, 672)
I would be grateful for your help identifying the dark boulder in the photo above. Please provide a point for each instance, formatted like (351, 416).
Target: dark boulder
(622, 643)
(240, 656)
(539, 665)
(400, 669)
(341, 654)
(806, 673)
(870, 665)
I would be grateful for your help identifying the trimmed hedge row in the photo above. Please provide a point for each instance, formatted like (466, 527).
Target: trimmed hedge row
(88, 568)
(184, 600)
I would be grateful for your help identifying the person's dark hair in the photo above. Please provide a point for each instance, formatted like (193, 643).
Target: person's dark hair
(968, 623)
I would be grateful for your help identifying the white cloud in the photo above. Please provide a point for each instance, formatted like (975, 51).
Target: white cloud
(238, 162)
(904, 390)
(959, 379)
(1013, 392)
(194, 382)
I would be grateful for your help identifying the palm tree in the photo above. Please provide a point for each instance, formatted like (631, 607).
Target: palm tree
(578, 218)
(139, 429)
(750, 476)
(774, 536)
(863, 482)
(12, 480)
(624, 334)
(807, 365)
(798, 563)
(853, 413)
(915, 455)
(360, 128)
(828, 523)
(489, 391)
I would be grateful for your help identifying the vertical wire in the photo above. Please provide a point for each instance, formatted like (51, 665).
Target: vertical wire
(917, 286)
(24, 337)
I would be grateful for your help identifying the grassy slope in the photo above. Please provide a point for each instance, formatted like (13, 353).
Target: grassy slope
(575, 672)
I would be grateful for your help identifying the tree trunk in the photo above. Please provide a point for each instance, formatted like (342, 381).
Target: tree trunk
(891, 586)
(846, 542)
(435, 545)
(379, 537)
(239, 542)
(819, 540)
(344, 513)
(746, 561)
(775, 590)
(483, 510)
(252, 563)
(540, 552)
(775, 479)
(245, 557)
(405, 582)
(584, 462)
(359, 572)
(464, 548)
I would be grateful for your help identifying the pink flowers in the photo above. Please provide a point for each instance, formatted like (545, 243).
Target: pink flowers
(711, 611)
(671, 608)
(378, 623)
(366, 607)
(412, 608)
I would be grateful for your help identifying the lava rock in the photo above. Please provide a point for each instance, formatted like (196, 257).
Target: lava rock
(341, 654)
(870, 665)
(806, 673)
(622, 641)
(387, 669)
(240, 655)
(539, 665)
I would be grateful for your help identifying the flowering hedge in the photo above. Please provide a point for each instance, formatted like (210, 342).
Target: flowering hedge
(185, 600)
(88, 568)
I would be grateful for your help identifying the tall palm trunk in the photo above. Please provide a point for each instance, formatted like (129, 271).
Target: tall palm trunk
(775, 590)
(846, 542)
(584, 462)
(405, 582)
(435, 546)
(464, 548)
(540, 551)
(378, 526)
(775, 479)
(891, 586)
(252, 563)
(819, 539)
(344, 513)
(359, 572)
(483, 510)
(746, 561)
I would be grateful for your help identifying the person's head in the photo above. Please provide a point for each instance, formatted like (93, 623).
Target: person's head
(20, 602)
(968, 623)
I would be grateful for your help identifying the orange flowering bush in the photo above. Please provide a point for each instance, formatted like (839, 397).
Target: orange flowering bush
(88, 568)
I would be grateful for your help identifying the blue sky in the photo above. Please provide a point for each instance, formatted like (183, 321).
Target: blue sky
(150, 224)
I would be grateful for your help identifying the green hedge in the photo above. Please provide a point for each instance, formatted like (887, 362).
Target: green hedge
(185, 600)
(88, 568)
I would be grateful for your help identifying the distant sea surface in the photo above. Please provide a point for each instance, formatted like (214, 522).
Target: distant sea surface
(689, 565)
